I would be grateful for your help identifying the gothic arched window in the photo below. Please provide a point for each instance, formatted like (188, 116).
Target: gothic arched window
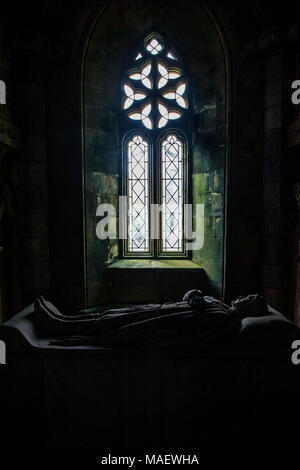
(154, 126)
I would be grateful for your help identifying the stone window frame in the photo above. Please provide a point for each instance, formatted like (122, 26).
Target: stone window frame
(182, 129)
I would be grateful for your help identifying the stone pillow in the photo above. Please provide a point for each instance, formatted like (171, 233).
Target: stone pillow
(272, 327)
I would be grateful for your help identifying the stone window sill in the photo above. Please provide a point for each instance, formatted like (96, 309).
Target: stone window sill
(157, 264)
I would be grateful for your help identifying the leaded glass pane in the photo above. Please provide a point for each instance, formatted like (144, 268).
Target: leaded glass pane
(154, 96)
(138, 194)
(147, 78)
(166, 115)
(154, 46)
(172, 194)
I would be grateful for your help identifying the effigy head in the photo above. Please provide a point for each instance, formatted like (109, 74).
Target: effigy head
(250, 306)
(195, 299)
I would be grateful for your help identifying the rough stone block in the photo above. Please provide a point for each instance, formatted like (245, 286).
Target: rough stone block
(273, 93)
(273, 117)
(272, 196)
(272, 276)
(272, 222)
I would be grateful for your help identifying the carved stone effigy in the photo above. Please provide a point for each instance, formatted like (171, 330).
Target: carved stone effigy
(196, 321)
(207, 319)
(119, 374)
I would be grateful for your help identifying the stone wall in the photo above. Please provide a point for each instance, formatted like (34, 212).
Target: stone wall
(117, 32)
(273, 176)
(29, 176)
(61, 175)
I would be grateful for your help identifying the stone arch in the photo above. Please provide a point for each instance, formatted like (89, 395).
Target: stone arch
(198, 38)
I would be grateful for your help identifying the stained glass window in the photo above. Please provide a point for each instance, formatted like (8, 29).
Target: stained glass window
(138, 194)
(143, 75)
(157, 76)
(155, 99)
(131, 95)
(154, 46)
(172, 193)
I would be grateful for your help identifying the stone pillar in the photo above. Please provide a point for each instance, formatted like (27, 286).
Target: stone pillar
(274, 281)
(29, 171)
(10, 293)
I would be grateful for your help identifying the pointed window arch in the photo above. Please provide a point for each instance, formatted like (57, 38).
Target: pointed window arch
(154, 125)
